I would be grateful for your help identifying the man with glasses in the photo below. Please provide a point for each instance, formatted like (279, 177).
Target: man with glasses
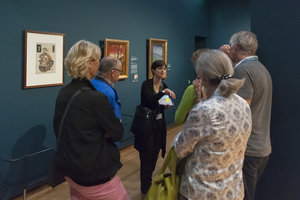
(108, 73)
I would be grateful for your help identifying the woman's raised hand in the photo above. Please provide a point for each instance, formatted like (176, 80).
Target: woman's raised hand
(170, 93)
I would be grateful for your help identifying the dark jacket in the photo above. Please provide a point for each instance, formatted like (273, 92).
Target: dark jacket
(85, 154)
(150, 99)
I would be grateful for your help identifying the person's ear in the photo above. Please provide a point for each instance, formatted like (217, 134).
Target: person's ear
(235, 47)
(112, 74)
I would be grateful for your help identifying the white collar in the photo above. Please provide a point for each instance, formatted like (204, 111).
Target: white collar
(246, 59)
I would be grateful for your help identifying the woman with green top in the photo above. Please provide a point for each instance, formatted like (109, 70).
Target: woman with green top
(192, 94)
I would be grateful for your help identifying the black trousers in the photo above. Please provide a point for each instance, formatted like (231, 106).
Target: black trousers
(148, 158)
(253, 169)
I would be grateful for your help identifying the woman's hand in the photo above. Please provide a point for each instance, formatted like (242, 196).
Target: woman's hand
(199, 94)
(170, 93)
(197, 84)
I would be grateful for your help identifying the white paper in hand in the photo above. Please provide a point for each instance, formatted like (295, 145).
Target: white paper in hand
(165, 100)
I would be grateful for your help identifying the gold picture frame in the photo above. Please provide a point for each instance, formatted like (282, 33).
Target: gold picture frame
(157, 50)
(120, 50)
(43, 59)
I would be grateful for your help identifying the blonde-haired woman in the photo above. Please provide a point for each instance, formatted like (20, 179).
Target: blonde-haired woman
(215, 134)
(87, 155)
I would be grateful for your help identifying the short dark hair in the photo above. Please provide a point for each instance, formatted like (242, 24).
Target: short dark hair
(158, 63)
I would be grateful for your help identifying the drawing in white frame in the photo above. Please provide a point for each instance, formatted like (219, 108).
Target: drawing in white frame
(44, 55)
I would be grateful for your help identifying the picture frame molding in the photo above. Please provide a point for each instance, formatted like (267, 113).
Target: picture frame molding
(151, 42)
(125, 66)
(33, 80)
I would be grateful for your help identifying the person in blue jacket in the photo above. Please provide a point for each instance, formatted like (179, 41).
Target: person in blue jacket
(108, 73)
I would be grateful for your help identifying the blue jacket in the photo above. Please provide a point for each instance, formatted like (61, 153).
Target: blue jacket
(103, 86)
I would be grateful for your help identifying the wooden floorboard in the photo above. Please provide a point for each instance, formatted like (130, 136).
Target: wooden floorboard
(129, 175)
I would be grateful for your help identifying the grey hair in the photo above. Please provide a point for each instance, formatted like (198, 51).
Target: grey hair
(79, 55)
(246, 40)
(216, 65)
(107, 64)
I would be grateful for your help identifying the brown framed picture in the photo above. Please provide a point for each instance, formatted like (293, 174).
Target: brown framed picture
(157, 50)
(44, 58)
(120, 50)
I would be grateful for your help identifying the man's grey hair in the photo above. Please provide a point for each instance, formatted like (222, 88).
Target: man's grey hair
(246, 41)
(107, 64)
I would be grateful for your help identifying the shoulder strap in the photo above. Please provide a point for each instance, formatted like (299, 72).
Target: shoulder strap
(66, 111)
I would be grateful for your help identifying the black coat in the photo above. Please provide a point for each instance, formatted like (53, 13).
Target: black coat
(150, 99)
(87, 152)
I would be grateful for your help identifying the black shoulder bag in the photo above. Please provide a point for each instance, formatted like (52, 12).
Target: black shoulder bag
(143, 121)
(55, 177)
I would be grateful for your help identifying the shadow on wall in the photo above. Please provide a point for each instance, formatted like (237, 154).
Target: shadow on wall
(28, 165)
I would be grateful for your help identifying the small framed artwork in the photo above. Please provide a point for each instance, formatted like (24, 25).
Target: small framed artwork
(120, 50)
(157, 50)
(44, 57)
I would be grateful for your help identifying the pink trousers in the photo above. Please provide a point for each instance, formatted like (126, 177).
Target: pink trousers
(111, 190)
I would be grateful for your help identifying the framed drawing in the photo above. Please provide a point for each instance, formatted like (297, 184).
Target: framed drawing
(157, 50)
(120, 50)
(44, 57)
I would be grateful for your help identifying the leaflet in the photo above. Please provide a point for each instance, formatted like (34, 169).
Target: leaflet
(165, 100)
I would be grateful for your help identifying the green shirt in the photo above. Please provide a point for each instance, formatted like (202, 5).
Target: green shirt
(186, 103)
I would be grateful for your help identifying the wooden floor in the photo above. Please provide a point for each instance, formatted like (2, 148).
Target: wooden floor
(129, 175)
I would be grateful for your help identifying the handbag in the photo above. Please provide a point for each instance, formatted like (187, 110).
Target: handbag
(55, 176)
(166, 185)
(142, 121)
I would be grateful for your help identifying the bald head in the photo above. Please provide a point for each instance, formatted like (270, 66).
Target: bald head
(110, 69)
(107, 64)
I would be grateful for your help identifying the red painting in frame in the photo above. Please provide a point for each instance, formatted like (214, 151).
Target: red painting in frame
(120, 50)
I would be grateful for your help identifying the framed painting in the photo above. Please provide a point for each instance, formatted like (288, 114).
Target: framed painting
(44, 58)
(157, 50)
(120, 50)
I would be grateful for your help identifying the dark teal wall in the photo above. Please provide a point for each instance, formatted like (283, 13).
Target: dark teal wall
(26, 115)
(228, 17)
(277, 25)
